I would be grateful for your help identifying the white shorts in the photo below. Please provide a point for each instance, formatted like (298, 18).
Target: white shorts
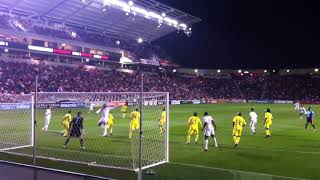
(209, 132)
(103, 121)
(253, 122)
(47, 120)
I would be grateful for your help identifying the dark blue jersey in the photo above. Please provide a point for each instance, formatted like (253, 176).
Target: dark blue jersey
(310, 114)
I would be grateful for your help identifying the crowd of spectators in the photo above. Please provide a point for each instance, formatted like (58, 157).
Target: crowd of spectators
(19, 78)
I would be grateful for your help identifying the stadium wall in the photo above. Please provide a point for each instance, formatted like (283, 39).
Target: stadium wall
(221, 101)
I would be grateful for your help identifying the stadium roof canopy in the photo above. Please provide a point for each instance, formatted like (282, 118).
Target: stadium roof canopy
(146, 19)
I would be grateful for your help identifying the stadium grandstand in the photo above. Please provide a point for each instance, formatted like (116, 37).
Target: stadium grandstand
(85, 54)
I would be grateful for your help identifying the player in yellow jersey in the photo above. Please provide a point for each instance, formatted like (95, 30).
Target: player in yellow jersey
(65, 123)
(135, 122)
(162, 121)
(123, 109)
(194, 124)
(238, 123)
(110, 123)
(267, 122)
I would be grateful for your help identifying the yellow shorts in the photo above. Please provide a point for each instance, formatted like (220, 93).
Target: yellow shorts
(109, 125)
(267, 125)
(66, 125)
(237, 132)
(134, 126)
(193, 131)
(162, 123)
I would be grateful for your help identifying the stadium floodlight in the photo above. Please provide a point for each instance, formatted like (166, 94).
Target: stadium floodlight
(239, 71)
(288, 70)
(6, 50)
(316, 70)
(129, 7)
(265, 71)
(118, 42)
(246, 72)
(196, 70)
(219, 71)
(73, 34)
(174, 70)
(140, 40)
(63, 44)
(87, 60)
(273, 70)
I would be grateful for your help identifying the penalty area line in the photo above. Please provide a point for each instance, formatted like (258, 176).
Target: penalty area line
(235, 171)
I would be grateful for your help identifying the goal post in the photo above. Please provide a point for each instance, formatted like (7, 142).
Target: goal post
(113, 151)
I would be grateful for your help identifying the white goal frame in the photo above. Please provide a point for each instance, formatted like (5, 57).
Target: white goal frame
(135, 167)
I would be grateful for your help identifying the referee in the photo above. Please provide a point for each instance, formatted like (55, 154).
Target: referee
(310, 115)
(76, 130)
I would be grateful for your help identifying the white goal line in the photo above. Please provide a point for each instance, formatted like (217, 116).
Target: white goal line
(236, 171)
(18, 147)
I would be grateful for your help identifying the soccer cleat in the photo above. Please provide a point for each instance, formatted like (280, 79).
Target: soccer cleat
(205, 150)
(196, 142)
(64, 146)
(187, 142)
(236, 145)
(267, 136)
(82, 147)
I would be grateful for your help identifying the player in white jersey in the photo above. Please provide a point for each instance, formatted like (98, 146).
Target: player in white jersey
(297, 106)
(105, 110)
(302, 111)
(253, 120)
(47, 118)
(91, 106)
(209, 127)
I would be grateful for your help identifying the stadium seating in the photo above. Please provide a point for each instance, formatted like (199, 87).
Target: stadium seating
(135, 50)
(19, 78)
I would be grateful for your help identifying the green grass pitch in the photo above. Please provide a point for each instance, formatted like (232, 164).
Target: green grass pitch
(292, 151)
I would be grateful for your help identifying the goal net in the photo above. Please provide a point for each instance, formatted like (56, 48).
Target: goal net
(16, 123)
(104, 148)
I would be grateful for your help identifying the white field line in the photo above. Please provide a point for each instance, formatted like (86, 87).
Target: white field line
(235, 171)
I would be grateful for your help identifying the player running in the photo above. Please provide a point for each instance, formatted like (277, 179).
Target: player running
(209, 127)
(297, 106)
(253, 120)
(238, 123)
(302, 111)
(76, 130)
(123, 109)
(65, 123)
(194, 124)
(47, 118)
(91, 107)
(110, 123)
(135, 122)
(163, 120)
(105, 110)
(309, 116)
(267, 122)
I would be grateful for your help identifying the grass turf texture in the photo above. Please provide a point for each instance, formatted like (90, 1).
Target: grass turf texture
(292, 151)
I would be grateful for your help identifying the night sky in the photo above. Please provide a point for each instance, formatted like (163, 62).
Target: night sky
(247, 34)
